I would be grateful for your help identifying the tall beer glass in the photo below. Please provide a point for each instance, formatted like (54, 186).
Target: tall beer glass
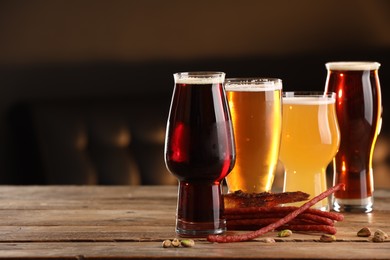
(256, 110)
(310, 139)
(358, 107)
(199, 150)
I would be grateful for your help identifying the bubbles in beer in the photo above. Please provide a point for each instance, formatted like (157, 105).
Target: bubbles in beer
(199, 78)
(309, 100)
(253, 84)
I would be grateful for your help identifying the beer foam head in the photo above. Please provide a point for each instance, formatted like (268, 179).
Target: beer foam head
(199, 78)
(352, 65)
(309, 100)
(253, 84)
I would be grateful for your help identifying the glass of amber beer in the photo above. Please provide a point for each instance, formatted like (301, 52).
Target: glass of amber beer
(199, 150)
(358, 108)
(310, 139)
(256, 111)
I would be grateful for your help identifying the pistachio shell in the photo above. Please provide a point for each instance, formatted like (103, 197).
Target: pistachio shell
(285, 233)
(167, 243)
(327, 238)
(379, 236)
(176, 242)
(269, 240)
(187, 243)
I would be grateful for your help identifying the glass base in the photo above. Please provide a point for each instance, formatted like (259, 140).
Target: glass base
(353, 205)
(196, 229)
(323, 208)
(200, 209)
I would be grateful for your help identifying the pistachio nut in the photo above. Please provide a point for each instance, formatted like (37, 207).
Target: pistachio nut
(327, 238)
(285, 233)
(379, 236)
(187, 243)
(167, 243)
(176, 242)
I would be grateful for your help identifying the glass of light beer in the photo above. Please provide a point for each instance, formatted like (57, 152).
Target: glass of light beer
(256, 111)
(199, 150)
(310, 140)
(359, 112)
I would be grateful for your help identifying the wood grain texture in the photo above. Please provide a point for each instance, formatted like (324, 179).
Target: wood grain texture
(76, 222)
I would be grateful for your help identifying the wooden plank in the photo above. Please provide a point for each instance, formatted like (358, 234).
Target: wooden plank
(87, 217)
(115, 225)
(82, 192)
(109, 221)
(85, 233)
(202, 250)
(135, 233)
(84, 197)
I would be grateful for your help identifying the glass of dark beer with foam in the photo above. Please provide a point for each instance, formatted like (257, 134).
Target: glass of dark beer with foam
(199, 150)
(359, 110)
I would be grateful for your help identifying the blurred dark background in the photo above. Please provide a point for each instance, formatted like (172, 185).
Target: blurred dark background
(85, 86)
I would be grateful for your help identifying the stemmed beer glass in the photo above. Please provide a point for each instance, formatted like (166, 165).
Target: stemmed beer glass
(199, 150)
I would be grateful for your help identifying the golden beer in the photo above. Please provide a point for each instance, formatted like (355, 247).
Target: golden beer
(256, 111)
(310, 140)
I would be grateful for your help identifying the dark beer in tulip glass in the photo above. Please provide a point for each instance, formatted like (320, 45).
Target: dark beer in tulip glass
(199, 150)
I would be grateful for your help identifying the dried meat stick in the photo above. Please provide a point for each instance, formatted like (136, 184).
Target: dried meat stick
(331, 215)
(293, 227)
(310, 228)
(316, 219)
(255, 215)
(280, 222)
(261, 222)
(313, 218)
(251, 222)
(236, 213)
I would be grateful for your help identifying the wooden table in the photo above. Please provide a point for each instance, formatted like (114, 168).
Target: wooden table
(79, 222)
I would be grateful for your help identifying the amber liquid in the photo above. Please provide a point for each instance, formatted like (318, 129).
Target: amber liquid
(358, 108)
(257, 124)
(199, 151)
(310, 139)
